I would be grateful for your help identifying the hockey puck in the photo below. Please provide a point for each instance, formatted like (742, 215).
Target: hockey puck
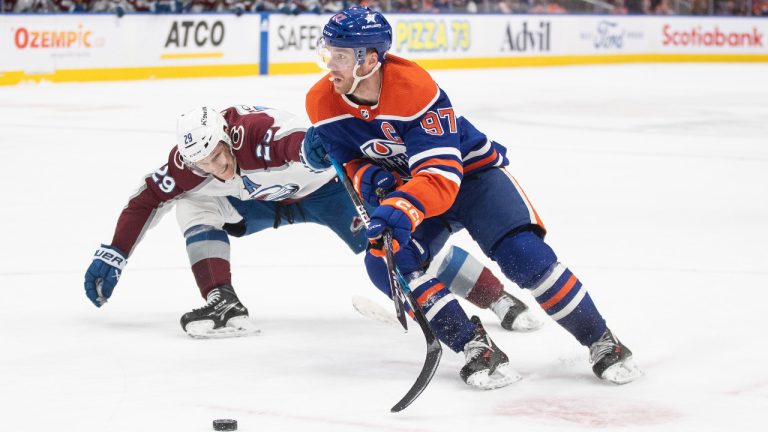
(225, 425)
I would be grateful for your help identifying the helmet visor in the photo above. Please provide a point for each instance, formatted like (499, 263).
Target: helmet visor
(333, 58)
(202, 167)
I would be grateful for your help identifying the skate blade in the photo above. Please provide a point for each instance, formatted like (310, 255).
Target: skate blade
(370, 309)
(526, 321)
(503, 376)
(236, 327)
(622, 372)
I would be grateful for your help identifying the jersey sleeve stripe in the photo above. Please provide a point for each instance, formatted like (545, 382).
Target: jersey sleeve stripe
(439, 162)
(485, 161)
(437, 151)
(479, 152)
(449, 175)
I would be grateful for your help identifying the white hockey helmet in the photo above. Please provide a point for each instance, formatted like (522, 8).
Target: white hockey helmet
(198, 132)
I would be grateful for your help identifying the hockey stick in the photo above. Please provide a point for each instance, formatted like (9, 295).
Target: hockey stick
(400, 290)
(398, 297)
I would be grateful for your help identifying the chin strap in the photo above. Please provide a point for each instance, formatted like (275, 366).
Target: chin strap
(360, 78)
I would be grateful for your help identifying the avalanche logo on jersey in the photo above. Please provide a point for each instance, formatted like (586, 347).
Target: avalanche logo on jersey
(276, 193)
(389, 154)
(269, 193)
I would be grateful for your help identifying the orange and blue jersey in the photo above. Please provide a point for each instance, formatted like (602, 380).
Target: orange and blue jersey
(413, 131)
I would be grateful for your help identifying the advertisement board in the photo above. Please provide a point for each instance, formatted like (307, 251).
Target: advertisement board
(95, 47)
(139, 46)
(714, 36)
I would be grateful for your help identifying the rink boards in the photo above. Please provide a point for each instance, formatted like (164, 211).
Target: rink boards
(98, 47)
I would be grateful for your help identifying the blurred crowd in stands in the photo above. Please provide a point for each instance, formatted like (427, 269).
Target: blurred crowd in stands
(619, 7)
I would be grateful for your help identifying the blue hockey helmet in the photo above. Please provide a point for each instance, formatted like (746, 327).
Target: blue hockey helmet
(359, 27)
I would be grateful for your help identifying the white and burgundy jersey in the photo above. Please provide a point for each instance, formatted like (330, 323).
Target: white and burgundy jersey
(266, 144)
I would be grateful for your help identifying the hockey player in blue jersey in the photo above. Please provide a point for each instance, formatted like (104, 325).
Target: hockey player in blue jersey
(395, 131)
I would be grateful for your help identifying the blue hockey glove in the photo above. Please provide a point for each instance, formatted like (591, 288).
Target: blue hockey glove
(313, 155)
(103, 274)
(375, 182)
(399, 216)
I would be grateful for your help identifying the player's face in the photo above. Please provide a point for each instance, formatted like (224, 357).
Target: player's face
(341, 62)
(221, 162)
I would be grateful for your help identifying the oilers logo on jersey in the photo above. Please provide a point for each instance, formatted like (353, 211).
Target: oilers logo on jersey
(390, 154)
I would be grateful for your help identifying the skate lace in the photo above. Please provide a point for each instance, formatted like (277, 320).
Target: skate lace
(502, 305)
(600, 348)
(213, 297)
(475, 348)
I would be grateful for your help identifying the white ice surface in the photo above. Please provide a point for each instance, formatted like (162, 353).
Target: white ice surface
(651, 179)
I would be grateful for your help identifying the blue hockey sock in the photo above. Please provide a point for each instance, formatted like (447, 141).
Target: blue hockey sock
(566, 301)
(445, 315)
(529, 262)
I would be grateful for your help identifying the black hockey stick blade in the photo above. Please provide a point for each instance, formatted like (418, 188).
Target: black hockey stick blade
(399, 295)
(434, 352)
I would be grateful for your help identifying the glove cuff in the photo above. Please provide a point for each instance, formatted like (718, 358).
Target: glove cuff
(414, 214)
(357, 177)
(111, 256)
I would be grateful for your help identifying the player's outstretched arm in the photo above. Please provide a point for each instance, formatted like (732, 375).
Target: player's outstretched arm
(143, 209)
(103, 274)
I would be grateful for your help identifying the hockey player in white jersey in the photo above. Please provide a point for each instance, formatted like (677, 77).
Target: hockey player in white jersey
(237, 172)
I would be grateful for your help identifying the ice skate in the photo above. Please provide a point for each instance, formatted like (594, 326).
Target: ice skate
(487, 367)
(612, 361)
(514, 314)
(222, 316)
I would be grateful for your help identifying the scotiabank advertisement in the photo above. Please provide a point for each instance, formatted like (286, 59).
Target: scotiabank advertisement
(711, 36)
